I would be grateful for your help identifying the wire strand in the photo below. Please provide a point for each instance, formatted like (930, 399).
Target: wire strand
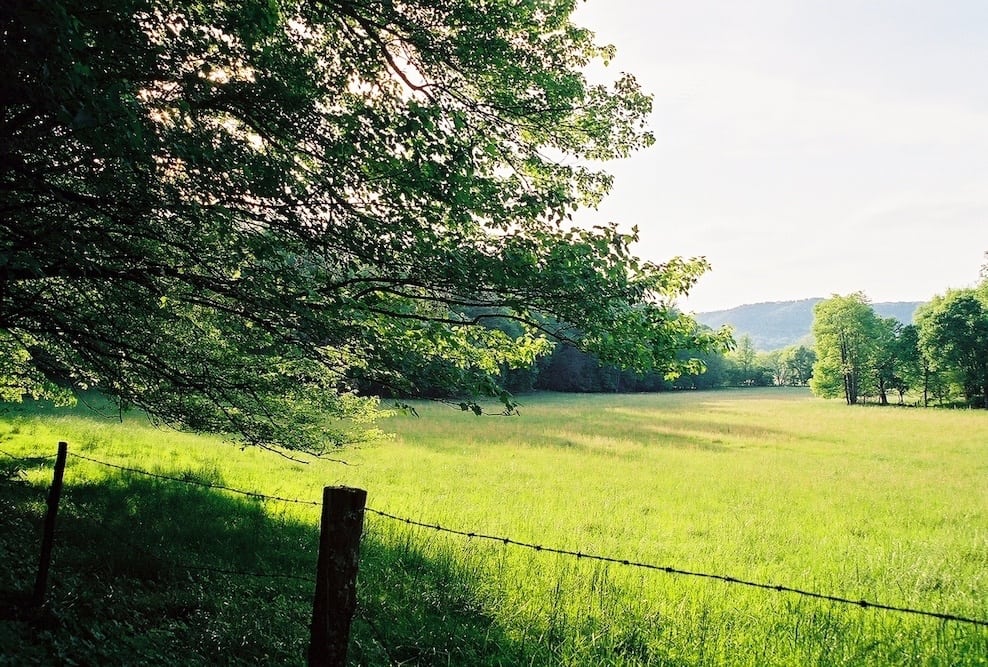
(208, 485)
(864, 604)
(28, 459)
(678, 571)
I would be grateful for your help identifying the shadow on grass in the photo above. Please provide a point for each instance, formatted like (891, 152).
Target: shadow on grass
(155, 572)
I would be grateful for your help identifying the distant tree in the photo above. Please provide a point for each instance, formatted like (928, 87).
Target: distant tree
(764, 371)
(896, 362)
(981, 289)
(715, 372)
(933, 380)
(569, 369)
(771, 361)
(953, 336)
(910, 371)
(790, 366)
(229, 214)
(844, 328)
(796, 365)
(886, 364)
(744, 369)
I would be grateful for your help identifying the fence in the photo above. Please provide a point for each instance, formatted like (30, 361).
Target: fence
(342, 516)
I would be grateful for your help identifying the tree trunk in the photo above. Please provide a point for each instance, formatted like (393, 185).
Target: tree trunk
(926, 387)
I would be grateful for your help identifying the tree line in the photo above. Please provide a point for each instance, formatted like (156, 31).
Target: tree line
(941, 357)
(568, 368)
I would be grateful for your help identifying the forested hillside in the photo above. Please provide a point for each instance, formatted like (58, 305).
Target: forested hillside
(777, 324)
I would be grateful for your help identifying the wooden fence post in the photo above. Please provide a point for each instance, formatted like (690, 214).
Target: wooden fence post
(336, 575)
(48, 536)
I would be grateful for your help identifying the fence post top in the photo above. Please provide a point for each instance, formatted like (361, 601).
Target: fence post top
(344, 495)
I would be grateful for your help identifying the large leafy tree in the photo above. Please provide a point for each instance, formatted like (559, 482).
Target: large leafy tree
(909, 371)
(845, 329)
(224, 212)
(886, 363)
(953, 338)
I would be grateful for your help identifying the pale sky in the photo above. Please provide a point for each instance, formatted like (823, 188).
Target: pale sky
(806, 147)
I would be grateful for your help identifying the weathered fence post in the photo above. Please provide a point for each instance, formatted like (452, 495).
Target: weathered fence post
(336, 575)
(48, 536)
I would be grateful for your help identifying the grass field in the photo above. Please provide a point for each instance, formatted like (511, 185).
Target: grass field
(888, 505)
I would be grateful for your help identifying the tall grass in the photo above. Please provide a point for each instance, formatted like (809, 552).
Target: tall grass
(888, 505)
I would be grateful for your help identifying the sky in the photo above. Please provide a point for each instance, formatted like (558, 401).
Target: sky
(805, 147)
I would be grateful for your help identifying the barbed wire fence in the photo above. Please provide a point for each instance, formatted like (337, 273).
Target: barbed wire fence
(36, 460)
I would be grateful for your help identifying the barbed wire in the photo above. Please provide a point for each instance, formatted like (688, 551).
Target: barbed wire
(865, 604)
(182, 565)
(28, 459)
(192, 482)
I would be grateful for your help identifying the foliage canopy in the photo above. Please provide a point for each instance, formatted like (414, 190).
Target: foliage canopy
(225, 213)
(953, 339)
(943, 354)
(845, 329)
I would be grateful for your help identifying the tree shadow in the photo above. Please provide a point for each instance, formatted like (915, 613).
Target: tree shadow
(150, 571)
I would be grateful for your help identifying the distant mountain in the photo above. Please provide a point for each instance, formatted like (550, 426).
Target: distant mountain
(777, 324)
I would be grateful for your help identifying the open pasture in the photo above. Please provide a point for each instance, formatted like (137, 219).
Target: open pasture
(886, 505)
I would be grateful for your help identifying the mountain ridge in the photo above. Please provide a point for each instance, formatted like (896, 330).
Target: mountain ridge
(777, 324)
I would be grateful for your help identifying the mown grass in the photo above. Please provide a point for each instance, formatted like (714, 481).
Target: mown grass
(888, 505)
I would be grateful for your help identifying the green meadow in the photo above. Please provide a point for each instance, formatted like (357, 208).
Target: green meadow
(887, 505)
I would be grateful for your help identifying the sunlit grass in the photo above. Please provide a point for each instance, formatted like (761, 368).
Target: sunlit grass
(888, 505)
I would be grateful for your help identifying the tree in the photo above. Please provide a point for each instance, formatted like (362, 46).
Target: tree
(223, 213)
(844, 328)
(896, 361)
(772, 363)
(885, 363)
(910, 371)
(790, 366)
(714, 373)
(569, 369)
(934, 381)
(745, 369)
(953, 336)
(796, 364)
